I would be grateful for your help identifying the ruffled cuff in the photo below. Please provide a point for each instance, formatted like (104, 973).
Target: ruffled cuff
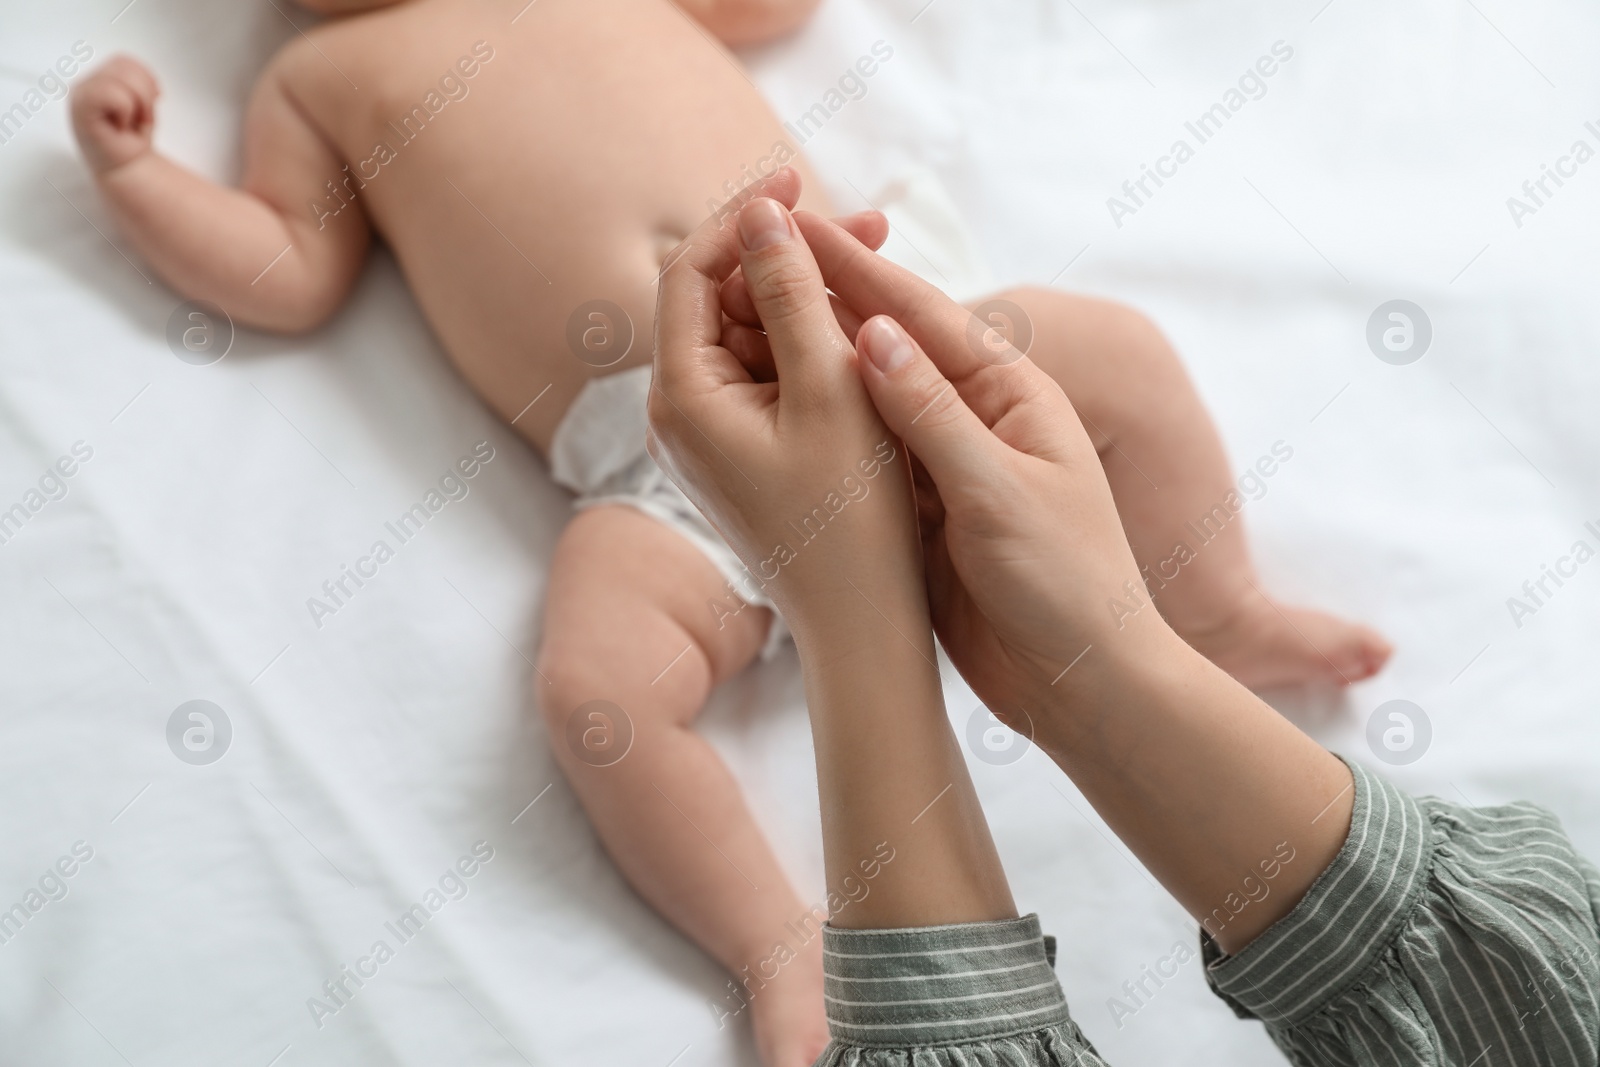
(940, 985)
(1351, 913)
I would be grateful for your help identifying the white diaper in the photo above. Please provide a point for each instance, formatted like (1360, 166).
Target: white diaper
(598, 450)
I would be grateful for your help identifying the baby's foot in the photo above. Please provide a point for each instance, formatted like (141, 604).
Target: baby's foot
(791, 1028)
(1264, 645)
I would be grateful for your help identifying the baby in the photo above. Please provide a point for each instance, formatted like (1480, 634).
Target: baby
(531, 166)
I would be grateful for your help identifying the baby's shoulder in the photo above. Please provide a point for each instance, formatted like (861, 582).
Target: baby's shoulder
(319, 54)
(329, 71)
(347, 75)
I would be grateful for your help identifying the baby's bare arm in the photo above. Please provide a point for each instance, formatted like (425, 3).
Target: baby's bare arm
(257, 251)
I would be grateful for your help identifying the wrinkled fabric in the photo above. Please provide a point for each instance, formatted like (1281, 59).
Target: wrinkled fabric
(1440, 935)
(598, 452)
(969, 995)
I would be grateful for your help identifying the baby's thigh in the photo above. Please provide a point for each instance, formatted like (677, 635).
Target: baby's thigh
(1107, 357)
(637, 615)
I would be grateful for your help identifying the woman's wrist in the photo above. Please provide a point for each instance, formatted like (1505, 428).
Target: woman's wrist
(1143, 664)
(891, 778)
(863, 580)
(1091, 675)
(858, 616)
(1214, 791)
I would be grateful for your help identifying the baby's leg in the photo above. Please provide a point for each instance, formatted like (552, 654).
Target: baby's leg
(1176, 495)
(255, 251)
(628, 620)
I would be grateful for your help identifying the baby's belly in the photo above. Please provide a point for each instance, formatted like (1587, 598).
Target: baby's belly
(528, 322)
(531, 213)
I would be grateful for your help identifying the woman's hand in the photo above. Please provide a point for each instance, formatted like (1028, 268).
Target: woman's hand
(766, 424)
(1026, 555)
(1039, 603)
(770, 430)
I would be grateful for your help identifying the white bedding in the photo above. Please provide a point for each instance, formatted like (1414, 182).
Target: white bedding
(369, 755)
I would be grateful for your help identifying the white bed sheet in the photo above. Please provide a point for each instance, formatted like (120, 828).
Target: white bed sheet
(370, 754)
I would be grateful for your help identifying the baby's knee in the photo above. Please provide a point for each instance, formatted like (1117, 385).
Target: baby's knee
(582, 715)
(563, 681)
(658, 678)
(1117, 329)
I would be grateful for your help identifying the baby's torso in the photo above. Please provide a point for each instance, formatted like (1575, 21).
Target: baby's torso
(531, 169)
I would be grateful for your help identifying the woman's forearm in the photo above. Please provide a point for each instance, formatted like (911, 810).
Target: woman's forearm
(891, 777)
(1229, 805)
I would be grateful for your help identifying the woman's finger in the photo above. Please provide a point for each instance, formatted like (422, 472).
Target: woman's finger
(920, 404)
(688, 357)
(874, 286)
(790, 300)
(994, 379)
(749, 344)
(843, 313)
(869, 227)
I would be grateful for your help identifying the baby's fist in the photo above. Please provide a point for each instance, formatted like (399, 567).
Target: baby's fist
(114, 113)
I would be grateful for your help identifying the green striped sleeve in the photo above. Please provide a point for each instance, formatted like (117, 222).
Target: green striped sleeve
(1440, 935)
(968, 995)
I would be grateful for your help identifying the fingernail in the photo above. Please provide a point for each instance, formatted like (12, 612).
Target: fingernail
(763, 223)
(886, 343)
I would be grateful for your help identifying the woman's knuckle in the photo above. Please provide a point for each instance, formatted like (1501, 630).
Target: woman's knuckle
(937, 402)
(785, 286)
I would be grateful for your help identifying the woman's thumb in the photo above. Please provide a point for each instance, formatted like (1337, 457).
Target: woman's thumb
(921, 405)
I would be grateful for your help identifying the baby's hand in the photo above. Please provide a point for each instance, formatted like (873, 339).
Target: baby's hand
(114, 113)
